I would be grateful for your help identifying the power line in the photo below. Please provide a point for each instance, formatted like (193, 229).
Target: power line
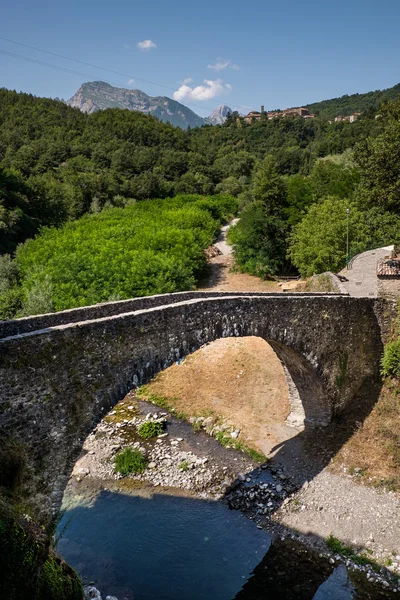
(57, 67)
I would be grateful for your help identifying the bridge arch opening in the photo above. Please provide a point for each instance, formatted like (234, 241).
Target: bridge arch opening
(236, 380)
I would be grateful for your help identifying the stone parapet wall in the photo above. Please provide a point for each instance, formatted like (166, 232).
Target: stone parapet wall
(107, 309)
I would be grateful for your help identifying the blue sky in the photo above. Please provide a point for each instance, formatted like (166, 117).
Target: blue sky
(208, 53)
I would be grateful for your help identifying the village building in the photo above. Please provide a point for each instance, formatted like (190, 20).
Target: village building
(350, 118)
(254, 115)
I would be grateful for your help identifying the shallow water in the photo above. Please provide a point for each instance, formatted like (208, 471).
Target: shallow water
(163, 547)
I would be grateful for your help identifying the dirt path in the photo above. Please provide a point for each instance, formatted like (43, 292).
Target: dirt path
(221, 278)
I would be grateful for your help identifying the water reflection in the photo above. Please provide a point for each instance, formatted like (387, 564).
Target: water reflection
(164, 548)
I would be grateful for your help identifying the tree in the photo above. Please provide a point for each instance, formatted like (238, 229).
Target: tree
(269, 187)
(379, 159)
(318, 242)
(259, 241)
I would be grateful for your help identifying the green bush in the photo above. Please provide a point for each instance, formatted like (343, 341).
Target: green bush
(152, 247)
(150, 429)
(130, 460)
(390, 364)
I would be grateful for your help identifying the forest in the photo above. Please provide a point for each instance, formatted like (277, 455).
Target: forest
(74, 191)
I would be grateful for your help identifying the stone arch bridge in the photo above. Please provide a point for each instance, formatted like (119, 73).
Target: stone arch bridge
(60, 373)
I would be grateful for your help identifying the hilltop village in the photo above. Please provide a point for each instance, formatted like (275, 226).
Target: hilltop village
(254, 115)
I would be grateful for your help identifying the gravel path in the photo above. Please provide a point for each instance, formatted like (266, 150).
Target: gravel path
(362, 279)
(221, 243)
(357, 515)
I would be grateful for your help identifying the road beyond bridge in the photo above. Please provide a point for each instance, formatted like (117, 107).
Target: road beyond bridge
(60, 373)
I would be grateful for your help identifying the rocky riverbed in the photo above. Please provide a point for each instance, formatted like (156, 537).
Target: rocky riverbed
(186, 460)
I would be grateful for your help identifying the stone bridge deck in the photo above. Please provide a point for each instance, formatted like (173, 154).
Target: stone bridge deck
(60, 373)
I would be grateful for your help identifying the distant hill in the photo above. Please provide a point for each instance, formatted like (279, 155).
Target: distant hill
(347, 105)
(98, 95)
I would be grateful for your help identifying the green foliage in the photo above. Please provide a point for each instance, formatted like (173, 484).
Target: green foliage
(318, 242)
(129, 461)
(38, 296)
(57, 581)
(347, 105)
(258, 241)
(379, 160)
(27, 569)
(259, 237)
(390, 366)
(150, 429)
(151, 247)
(184, 465)
(57, 163)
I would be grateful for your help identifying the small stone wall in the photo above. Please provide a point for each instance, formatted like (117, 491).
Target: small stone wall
(389, 288)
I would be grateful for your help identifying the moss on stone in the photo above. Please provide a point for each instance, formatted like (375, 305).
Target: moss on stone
(58, 581)
(28, 569)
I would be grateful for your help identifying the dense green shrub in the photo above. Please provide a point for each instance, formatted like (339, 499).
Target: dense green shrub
(130, 460)
(150, 429)
(391, 359)
(152, 247)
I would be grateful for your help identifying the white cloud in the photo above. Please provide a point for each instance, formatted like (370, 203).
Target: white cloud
(187, 80)
(146, 45)
(222, 64)
(131, 81)
(209, 90)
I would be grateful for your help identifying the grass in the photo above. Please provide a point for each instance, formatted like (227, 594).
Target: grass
(143, 393)
(338, 547)
(227, 441)
(129, 461)
(374, 448)
(150, 429)
(184, 465)
(223, 437)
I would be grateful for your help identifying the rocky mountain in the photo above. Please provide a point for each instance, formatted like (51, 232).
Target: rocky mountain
(218, 116)
(98, 95)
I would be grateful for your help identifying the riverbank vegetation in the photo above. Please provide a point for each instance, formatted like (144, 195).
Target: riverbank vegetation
(152, 247)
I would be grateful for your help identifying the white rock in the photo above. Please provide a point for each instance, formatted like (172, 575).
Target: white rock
(91, 592)
(83, 471)
(235, 434)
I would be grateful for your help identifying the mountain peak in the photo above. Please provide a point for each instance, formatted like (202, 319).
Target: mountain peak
(218, 116)
(99, 95)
